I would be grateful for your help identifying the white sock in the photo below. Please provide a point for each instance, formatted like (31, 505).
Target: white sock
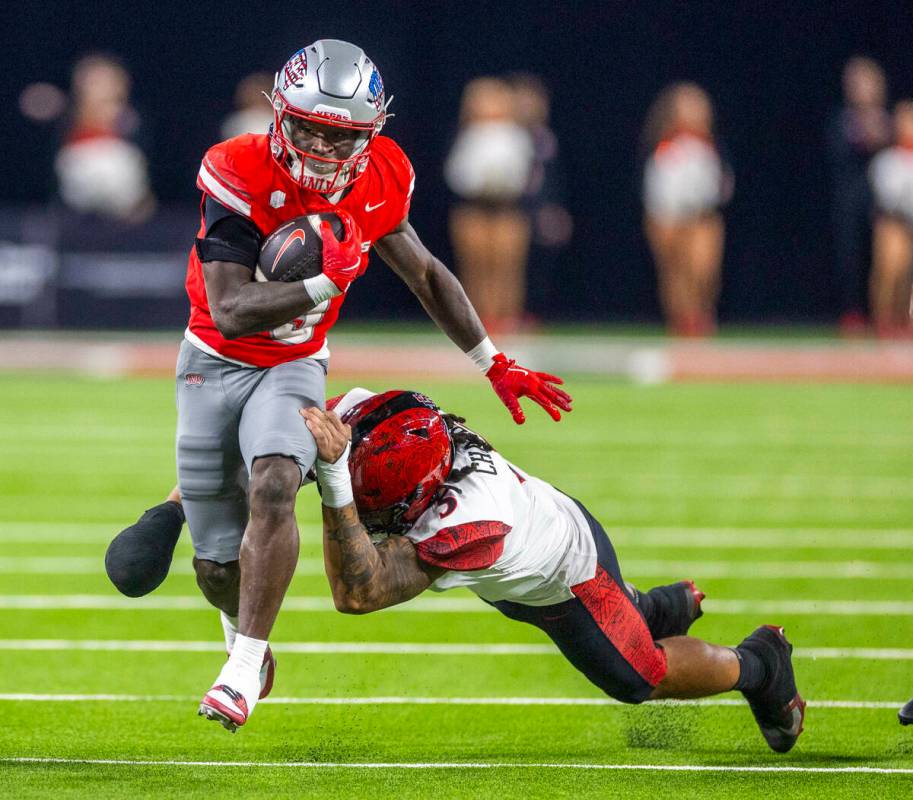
(242, 670)
(230, 629)
(247, 654)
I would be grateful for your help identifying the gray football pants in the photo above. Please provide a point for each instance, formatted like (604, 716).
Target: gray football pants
(228, 416)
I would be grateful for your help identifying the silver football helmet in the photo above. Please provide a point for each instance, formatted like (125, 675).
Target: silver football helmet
(328, 83)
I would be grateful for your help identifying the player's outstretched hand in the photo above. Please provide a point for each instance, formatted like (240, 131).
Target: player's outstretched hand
(511, 382)
(341, 260)
(331, 433)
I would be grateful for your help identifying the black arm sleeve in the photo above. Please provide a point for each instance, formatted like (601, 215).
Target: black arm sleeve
(229, 236)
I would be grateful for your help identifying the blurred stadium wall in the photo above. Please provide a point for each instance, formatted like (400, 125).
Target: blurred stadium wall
(773, 70)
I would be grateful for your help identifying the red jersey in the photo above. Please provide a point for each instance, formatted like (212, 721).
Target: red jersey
(242, 175)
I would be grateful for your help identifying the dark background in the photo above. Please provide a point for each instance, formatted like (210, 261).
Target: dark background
(772, 68)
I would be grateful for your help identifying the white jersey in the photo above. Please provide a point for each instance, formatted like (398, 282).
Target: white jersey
(500, 532)
(891, 176)
(490, 161)
(683, 178)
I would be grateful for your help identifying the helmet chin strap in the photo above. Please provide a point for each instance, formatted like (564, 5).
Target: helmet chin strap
(296, 168)
(294, 165)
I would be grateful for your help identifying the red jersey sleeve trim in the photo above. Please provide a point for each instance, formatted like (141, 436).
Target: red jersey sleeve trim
(210, 181)
(466, 547)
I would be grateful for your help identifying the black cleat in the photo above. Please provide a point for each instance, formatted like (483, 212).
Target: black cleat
(670, 610)
(777, 706)
(905, 715)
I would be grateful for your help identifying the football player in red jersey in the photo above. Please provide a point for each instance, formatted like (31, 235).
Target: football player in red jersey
(456, 513)
(255, 352)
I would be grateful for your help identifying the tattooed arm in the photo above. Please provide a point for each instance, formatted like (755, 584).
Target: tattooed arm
(365, 577)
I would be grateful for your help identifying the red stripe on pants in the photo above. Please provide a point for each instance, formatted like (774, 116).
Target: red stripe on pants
(623, 625)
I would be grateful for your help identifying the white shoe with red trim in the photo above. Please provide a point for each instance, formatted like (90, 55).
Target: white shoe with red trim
(232, 698)
(225, 705)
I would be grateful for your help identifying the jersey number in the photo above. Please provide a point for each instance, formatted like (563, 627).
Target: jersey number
(447, 502)
(301, 329)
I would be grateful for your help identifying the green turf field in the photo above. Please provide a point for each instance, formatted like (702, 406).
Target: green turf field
(789, 504)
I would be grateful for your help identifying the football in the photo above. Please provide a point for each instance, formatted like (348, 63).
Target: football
(294, 251)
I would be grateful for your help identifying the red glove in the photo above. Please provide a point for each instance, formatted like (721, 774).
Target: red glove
(341, 260)
(511, 382)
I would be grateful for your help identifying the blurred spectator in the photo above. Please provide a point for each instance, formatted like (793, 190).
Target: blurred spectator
(552, 225)
(891, 174)
(253, 112)
(685, 184)
(857, 131)
(489, 169)
(99, 167)
(42, 102)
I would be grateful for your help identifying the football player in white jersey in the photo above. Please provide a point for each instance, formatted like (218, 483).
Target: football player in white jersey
(415, 500)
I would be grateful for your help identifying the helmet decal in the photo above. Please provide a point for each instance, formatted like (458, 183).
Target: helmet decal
(332, 112)
(376, 90)
(295, 69)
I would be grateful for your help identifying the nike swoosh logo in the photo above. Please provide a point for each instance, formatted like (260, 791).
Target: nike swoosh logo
(369, 207)
(296, 235)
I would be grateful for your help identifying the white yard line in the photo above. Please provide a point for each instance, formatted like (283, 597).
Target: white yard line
(457, 765)
(327, 648)
(765, 570)
(452, 605)
(94, 565)
(755, 487)
(694, 438)
(406, 700)
(115, 602)
(763, 538)
(89, 532)
(840, 608)
(388, 648)
(625, 535)
(863, 653)
(633, 568)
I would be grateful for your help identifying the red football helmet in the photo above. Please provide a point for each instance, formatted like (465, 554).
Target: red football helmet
(401, 453)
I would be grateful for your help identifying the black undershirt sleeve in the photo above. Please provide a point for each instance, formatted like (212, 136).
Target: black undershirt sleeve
(229, 236)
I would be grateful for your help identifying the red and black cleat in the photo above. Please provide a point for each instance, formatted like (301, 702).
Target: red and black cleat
(695, 598)
(777, 706)
(224, 705)
(905, 715)
(670, 610)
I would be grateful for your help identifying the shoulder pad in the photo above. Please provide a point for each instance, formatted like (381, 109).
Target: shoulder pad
(232, 170)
